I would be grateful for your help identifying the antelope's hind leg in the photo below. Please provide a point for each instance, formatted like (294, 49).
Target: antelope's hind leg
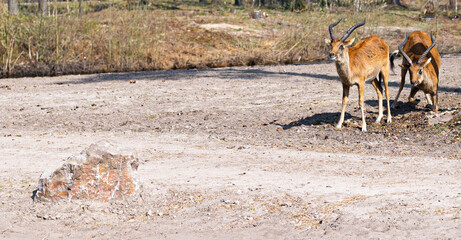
(385, 76)
(379, 91)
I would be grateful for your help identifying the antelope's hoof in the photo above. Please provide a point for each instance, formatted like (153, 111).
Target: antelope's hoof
(338, 126)
(413, 101)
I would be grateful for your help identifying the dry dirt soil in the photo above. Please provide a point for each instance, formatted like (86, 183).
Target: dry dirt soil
(246, 152)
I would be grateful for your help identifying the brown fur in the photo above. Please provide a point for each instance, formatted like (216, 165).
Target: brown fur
(415, 46)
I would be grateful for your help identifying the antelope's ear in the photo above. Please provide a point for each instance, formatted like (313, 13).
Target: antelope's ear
(327, 41)
(427, 61)
(349, 42)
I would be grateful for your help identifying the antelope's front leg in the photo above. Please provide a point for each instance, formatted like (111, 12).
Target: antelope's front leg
(428, 98)
(361, 87)
(411, 98)
(435, 108)
(343, 108)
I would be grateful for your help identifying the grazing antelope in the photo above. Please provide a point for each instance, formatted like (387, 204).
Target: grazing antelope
(366, 60)
(424, 74)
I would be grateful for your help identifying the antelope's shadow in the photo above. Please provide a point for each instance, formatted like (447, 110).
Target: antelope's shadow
(316, 119)
(332, 118)
(402, 107)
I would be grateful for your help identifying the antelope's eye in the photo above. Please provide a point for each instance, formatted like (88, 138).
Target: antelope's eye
(420, 71)
(341, 47)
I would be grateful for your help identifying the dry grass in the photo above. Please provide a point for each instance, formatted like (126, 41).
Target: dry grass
(123, 37)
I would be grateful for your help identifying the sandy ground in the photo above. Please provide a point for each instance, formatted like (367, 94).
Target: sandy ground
(232, 153)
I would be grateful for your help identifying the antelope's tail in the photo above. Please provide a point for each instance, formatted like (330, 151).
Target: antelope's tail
(391, 59)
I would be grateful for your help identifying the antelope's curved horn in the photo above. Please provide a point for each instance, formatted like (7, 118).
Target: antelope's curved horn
(403, 53)
(352, 29)
(331, 29)
(420, 60)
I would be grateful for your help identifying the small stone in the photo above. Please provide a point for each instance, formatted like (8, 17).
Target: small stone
(244, 147)
(258, 14)
(286, 204)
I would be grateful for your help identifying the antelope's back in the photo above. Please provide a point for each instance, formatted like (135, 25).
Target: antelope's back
(371, 51)
(418, 42)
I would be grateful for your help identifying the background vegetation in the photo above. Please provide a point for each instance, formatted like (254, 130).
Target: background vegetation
(137, 35)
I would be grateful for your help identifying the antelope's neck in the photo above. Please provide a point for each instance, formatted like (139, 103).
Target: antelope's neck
(343, 68)
(427, 80)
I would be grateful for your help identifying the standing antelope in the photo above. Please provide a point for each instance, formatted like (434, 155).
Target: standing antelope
(423, 76)
(366, 60)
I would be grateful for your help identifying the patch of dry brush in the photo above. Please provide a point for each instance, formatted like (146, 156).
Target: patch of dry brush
(125, 38)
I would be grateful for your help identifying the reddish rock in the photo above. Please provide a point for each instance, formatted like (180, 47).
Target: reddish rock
(100, 172)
